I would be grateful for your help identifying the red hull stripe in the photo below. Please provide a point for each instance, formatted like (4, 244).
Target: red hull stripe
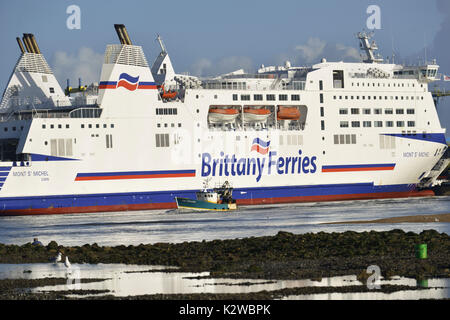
(256, 201)
(107, 86)
(359, 167)
(135, 175)
(144, 176)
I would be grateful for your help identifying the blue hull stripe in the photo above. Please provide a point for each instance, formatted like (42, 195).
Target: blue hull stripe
(109, 199)
(126, 173)
(358, 166)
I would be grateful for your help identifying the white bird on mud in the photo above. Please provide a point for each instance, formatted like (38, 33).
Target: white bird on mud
(58, 258)
(67, 262)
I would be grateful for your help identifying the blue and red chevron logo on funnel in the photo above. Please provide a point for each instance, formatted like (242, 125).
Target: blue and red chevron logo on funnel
(260, 146)
(128, 82)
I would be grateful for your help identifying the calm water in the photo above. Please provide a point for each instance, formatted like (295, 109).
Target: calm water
(135, 227)
(131, 280)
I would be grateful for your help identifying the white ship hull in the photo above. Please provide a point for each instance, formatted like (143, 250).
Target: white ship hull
(135, 157)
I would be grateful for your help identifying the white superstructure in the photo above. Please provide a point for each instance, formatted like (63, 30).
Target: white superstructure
(331, 131)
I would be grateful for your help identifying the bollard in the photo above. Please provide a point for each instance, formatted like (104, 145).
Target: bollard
(421, 251)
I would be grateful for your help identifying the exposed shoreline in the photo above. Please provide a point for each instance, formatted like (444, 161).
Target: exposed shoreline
(423, 218)
(282, 256)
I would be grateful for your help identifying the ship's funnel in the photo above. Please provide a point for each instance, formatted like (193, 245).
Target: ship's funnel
(27, 43)
(126, 37)
(19, 42)
(119, 33)
(34, 43)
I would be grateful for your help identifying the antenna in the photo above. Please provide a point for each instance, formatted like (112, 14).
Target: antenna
(425, 46)
(161, 44)
(393, 51)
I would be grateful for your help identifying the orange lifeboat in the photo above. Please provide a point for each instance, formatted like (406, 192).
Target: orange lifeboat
(256, 114)
(219, 115)
(288, 113)
(168, 94)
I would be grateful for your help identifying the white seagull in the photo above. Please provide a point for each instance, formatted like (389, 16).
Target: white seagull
(67, 262)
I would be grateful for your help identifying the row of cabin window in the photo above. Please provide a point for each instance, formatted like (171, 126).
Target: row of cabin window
(377, 124)
(344, 139)
(166, 125)
(226, 85)
(97, 126)
(12, 128)
(52, 126)
(384, 84)
(269, 97)
(375, 97)
(376, 111)
(166, 111)
(291, 140)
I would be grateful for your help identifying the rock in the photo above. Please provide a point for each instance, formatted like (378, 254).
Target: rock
(52, 245)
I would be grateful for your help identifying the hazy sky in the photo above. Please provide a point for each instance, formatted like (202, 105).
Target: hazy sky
(211, 37)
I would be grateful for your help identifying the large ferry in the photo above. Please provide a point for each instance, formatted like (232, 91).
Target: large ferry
(143, 136)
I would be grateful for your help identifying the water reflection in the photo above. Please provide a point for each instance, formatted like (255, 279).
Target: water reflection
(131, 280)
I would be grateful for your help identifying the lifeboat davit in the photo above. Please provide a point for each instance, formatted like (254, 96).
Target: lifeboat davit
(256, 114)
(288, 113)
(168, 94)
(221, 115)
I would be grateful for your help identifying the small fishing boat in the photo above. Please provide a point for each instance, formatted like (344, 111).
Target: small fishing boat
(218, 199)
(288, 113)
(252, 114)
(222, 114)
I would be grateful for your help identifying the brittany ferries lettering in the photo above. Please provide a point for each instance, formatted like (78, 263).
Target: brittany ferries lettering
(231, 166)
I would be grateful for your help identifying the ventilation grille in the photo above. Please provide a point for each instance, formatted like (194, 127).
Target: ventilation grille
(32, 62)
(125, 54)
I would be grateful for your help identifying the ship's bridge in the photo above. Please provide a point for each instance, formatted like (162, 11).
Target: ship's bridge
(425, 73)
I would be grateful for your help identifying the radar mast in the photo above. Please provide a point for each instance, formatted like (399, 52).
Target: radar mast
(368, 47)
